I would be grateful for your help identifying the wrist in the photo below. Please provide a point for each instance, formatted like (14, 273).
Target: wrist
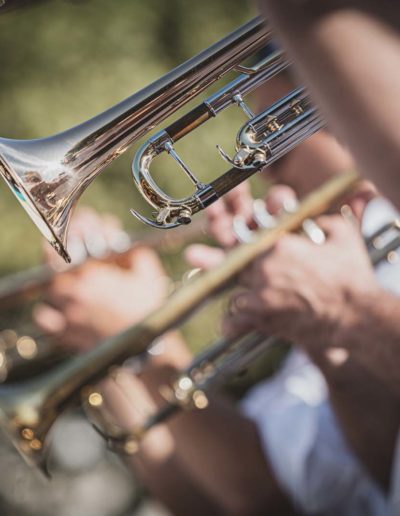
(360, 312)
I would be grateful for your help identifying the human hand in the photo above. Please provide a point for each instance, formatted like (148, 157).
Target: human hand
(206, 257)
(302, 291)
(99, 299)
(221, 214)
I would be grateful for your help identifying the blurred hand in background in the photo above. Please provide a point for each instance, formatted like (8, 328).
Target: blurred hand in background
(100, 298)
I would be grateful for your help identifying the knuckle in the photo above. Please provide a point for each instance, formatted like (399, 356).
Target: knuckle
(286, 245)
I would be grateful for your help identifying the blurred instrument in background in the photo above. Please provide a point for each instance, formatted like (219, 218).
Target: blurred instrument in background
(219, 364)
(24, 353)
(29, 409)
(23, 286)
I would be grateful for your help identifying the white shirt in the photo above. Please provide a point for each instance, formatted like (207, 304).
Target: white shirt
(300, 435)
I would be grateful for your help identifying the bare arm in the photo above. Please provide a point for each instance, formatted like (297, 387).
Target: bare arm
(326, 299)
(199, 463)
(348, 53)
(368, 414)
(203, 462)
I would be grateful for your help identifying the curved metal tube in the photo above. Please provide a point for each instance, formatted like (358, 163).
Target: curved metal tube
(48, 175)
(225, 358)
(260, 142)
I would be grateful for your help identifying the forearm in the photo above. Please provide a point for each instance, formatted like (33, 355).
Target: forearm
(361, 364)
(349, 59)
(369, 417)
(313, 162)
(202, 462)
(369, 333)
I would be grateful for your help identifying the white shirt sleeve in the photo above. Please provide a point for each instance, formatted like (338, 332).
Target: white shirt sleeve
(395, 483)
(305, 446)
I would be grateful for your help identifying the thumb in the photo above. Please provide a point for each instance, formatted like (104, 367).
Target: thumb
(279, 196)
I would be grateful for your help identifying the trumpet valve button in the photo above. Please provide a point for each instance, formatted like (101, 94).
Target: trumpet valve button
(241, 157)
(200, 400)
(259, 157)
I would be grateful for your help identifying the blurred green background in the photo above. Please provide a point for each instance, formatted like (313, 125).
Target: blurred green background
(63, 62)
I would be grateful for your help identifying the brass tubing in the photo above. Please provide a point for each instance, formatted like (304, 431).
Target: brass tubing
(29, 410)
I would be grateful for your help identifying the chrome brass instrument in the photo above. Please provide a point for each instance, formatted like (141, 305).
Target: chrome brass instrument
(29, 409)
(382, 244)
(23, 356)
(48, 175)
(260, 142)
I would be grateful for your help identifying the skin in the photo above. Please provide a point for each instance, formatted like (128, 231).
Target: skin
(346, 51)
(335, 239)
(183, 464)
(323, 308)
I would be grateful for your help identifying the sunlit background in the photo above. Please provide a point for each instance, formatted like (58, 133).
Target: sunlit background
(63, 62)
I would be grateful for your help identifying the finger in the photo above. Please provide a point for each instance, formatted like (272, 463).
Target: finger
(89, 226)
(278, 197)
(48, 319)
(76, 340)
(220, 224)
(250, 276)
(332, 225)
(239, 201)
(84, 219)
(204, 256)
(237, 325)
(110, 221)
(58, 297)
(145, 262)
(358, 201)
(245, 302)
(216, 210)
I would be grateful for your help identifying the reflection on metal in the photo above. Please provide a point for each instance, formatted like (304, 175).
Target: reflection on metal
(384, 243)
(224, 359)
(48, 175)
(260, 142)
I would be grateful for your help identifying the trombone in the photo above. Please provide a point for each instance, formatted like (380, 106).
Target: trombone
(28, 410)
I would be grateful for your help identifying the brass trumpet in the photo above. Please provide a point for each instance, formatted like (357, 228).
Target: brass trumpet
(28, 410)
(48, 175)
